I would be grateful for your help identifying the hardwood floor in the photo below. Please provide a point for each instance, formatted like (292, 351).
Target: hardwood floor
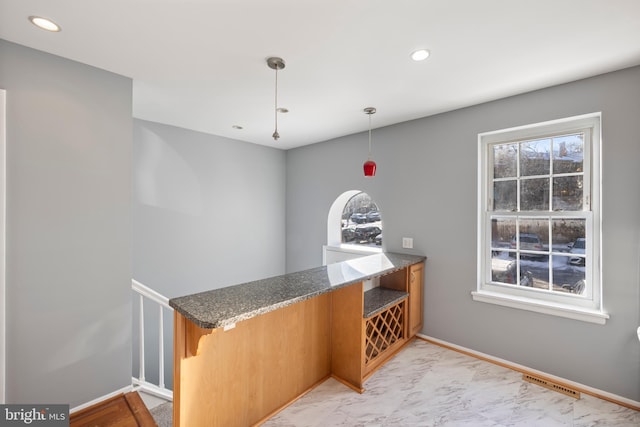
(125, 410)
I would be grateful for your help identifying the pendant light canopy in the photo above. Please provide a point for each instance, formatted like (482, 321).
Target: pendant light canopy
(369, 166)
(276, 63)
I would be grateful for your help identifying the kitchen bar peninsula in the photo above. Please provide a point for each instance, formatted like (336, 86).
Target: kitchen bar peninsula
(244, 352)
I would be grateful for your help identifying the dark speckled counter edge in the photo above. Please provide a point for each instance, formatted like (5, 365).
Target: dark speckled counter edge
(225, 306)
(377, 300)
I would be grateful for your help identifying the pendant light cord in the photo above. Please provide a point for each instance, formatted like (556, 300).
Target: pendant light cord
(369, 136)
(276, 63)
(276, 135)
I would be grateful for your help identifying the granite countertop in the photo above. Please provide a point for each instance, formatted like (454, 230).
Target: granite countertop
(379, 299)
(225, 306)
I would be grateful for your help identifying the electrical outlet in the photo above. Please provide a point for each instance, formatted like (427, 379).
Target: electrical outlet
(407, 242)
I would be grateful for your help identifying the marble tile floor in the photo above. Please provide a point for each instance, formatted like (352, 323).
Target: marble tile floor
(428, 385)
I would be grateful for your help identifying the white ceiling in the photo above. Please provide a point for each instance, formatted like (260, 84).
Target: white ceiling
(201, 64)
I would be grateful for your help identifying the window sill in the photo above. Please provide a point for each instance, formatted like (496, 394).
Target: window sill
(346, 247)
(343, 252)
(554, 309)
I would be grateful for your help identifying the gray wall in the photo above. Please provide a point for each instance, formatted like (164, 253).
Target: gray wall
(208, 212)
(426, 189)
(69, 133)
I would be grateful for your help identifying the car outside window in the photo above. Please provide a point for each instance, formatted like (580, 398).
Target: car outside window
(539, 217)
(361, 221)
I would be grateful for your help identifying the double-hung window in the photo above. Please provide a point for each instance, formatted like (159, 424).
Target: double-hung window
(539, 218)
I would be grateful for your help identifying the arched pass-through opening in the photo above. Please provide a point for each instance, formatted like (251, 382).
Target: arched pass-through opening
(354, 227)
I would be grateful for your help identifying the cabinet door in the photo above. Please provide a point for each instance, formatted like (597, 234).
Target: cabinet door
(416, 299)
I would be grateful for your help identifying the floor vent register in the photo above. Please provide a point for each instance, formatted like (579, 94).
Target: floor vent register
(551, 385)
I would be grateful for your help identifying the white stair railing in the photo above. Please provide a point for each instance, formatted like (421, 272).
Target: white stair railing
(162, 303)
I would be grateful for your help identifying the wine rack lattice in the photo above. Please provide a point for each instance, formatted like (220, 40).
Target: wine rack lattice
(383, 330)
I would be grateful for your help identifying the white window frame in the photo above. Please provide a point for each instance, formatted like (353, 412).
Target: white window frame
(587, 306)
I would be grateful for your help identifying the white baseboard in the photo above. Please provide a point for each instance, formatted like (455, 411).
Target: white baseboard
(123, 390)
(153, 389)
(601, 394)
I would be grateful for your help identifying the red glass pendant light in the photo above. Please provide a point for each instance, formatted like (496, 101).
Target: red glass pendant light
(369, 166)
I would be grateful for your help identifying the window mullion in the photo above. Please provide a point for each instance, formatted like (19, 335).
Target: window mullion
(551, 172)
(586, 172)
(518, 178)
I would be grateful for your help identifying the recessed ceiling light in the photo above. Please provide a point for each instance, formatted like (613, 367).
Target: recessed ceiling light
(44, 23)
(420, 55)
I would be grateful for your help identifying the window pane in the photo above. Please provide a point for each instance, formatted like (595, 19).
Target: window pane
(534, 267)
(566, 276)
(505, 196)
(535, 157)
(502, 231)
(568, 267)
(503, 269)
(567, 193)
(534, 194)
(565, 232)
(534, 272)
(533, 236)
(504, 160)
(568, 154)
